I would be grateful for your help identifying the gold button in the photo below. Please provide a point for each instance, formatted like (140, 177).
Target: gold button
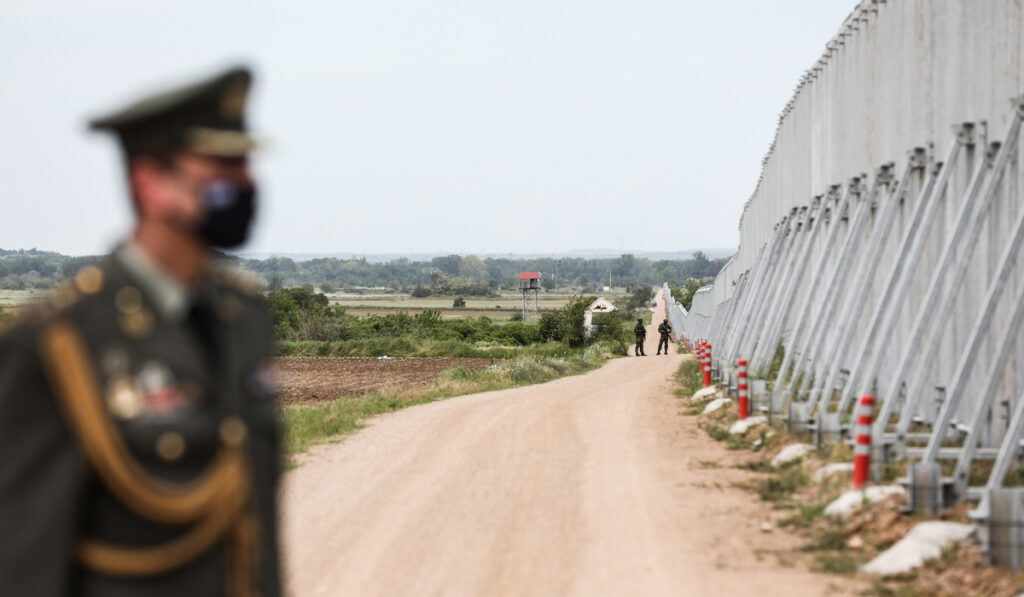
(170, 446)
(137, 324)
(89, 279)
(232, 432)
(128, 300)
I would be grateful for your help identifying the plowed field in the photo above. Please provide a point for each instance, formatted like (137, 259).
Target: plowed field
(318, 379)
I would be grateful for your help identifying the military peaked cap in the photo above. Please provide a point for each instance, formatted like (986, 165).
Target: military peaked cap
(207, 117)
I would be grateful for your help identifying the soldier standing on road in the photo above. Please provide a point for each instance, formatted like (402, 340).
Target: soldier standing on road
(666, 331)
(641, 335)
(139, 430)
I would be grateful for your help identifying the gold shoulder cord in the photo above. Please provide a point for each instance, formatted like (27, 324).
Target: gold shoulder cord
(214, 503)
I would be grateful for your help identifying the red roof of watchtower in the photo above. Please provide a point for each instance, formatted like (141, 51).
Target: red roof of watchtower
(528, 275)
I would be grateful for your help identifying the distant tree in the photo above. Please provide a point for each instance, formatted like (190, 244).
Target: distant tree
(624, 267)
(327, 287)
(305, 299)
(448, 264)
(702, 266)
(690, 286)
(472, 268)
(284, 313)
(547, 283)
(275, 282)
(420, 291)
(642, 296)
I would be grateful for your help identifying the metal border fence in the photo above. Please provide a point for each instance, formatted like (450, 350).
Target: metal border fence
(881, 250)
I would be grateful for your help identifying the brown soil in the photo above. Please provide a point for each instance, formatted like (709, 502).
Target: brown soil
(319, 379)
(879, 525)
(962, 572)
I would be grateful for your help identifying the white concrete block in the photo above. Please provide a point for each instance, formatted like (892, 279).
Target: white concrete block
(924, 542)
(716, 404)
(851, 500)
(791, 453)
(705, 393)
(832, 469)
(741, 427)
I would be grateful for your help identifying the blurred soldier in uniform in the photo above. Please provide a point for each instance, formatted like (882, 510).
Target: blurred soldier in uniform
(138, 426)
(641, 335)
(666, 331)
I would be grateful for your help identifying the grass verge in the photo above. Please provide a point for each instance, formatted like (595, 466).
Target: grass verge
(688, 378)
(420, 347)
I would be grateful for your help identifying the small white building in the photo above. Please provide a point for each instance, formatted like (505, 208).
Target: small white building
(601, 305)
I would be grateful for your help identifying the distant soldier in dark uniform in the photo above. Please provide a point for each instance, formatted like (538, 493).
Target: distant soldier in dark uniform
(139, 430)
(641, 335)
(666, 332)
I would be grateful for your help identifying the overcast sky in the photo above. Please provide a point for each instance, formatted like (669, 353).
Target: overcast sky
(405, 126)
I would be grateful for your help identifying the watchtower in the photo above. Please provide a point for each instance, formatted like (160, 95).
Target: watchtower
(529, 282)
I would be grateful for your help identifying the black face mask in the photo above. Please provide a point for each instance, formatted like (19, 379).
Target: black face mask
(229, 212)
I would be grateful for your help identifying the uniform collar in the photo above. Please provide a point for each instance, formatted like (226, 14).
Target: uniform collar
(169, 297)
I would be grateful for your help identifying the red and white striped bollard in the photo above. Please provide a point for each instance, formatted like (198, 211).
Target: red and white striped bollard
(741, 386)
(862, 445)
(707, 364)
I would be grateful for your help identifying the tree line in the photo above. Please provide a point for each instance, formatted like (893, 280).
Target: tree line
(472, 276)
(466, 275)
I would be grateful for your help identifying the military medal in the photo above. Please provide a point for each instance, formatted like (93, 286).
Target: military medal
(124, 400)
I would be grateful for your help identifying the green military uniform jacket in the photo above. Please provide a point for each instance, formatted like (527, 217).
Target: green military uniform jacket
(140, 451)
(665, 330)
(640, 331)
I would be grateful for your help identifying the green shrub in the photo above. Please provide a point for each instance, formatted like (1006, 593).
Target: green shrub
(301, 316)
(551, 326)
(572, 320)
(610, 326)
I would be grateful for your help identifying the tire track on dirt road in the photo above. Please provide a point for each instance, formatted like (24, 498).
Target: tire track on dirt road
(586, 485)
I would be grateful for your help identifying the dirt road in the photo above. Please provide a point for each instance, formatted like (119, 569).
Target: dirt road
(587, 485)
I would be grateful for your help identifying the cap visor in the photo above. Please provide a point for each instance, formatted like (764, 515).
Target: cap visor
(220, 143)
